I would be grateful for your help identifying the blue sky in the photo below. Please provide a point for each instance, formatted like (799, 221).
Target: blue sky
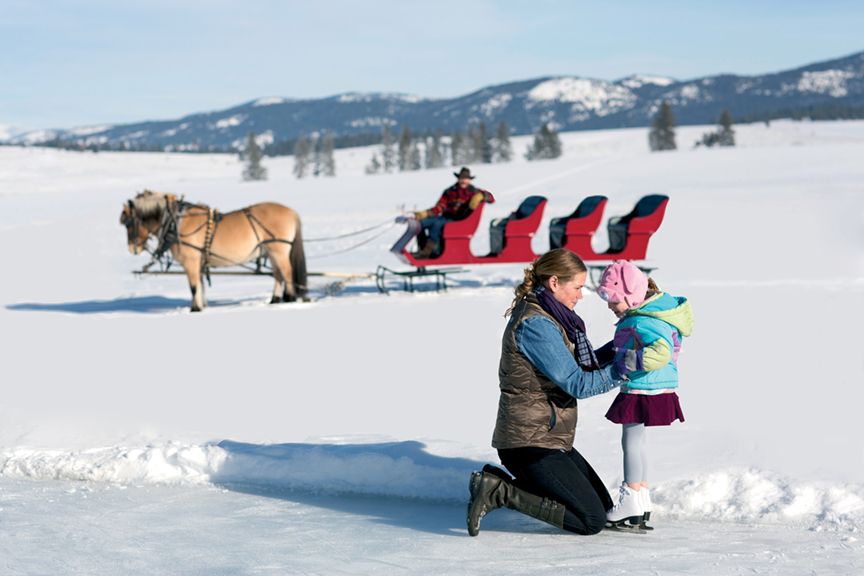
(71, 63)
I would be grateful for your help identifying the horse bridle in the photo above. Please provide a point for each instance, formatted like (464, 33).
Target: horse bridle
(166, 235)
(132, 223)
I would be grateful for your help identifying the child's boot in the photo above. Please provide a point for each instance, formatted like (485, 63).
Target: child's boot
(628, 510)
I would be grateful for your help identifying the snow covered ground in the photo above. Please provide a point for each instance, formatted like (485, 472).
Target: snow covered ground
(337, 436)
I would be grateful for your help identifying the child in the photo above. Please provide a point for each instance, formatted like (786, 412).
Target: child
(646, 344)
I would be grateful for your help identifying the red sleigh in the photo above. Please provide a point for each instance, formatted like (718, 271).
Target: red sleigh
(511, 237)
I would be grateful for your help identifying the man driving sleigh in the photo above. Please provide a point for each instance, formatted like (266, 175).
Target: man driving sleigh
(456, 203)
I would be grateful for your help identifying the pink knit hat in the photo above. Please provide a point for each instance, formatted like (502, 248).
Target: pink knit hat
(623, 282)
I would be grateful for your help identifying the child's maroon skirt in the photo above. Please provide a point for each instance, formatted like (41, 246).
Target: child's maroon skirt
(650, 410)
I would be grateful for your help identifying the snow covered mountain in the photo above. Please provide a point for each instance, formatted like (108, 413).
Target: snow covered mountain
(568, 103)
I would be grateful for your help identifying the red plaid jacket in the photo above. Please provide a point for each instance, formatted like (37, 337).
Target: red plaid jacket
(454, 202)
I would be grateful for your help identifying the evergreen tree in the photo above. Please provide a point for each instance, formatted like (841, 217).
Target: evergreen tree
(387, 148)
(374, 165)
(546, 145)
(709, 139)
(317, 155)
(469, 147)
(254, 170)
(482, 145)
(301, 157)
(727, 134)
(433, 151)
(553, 142)
(404, 148)
(537, 150)
(329, 161)
(662, 135)
(415, 162)
(456, 146)
(503, 150)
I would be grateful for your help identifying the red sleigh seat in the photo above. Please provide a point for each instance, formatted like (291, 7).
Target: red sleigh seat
(628, 234)
(574, 232)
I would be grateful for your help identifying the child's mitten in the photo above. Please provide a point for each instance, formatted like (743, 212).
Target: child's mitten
(628, 360)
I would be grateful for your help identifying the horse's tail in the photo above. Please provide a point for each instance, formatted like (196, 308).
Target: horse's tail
(298, 262)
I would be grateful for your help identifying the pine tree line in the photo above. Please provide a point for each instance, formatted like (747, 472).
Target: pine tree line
(414, 152)
(820, 112)
(286, 147)
(139, 146)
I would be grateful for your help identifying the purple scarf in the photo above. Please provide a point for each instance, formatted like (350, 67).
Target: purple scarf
(573, 326)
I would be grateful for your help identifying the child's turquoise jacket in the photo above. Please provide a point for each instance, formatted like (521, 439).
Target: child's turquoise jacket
(652, 332)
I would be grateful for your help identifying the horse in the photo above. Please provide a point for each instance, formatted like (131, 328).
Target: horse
(200, 238)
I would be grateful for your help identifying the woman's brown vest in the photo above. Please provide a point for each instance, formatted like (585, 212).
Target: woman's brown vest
(533, 410)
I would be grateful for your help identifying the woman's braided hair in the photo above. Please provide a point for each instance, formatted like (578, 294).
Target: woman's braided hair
(560, 263)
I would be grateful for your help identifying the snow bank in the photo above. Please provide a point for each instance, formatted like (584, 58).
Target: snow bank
(746, 495)
(409, 470)
(401, 469)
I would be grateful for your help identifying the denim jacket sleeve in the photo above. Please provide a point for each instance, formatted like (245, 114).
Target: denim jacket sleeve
(540, 340)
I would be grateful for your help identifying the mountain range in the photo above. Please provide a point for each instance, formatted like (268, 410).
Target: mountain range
(566, 102)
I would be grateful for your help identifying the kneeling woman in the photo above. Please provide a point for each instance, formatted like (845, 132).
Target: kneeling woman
(546, 364)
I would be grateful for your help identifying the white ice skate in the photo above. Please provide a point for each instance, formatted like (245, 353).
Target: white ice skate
(627, 514)
(646, 508)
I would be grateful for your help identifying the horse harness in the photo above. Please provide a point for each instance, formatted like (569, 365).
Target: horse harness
(168, 233)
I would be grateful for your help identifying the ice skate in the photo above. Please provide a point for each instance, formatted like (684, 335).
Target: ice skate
(646, 508)
(628, 513)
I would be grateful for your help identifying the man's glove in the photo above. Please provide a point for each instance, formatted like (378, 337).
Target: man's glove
(478, 198)
(421, 214)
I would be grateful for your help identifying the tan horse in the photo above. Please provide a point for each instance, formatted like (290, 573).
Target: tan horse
(200, 238)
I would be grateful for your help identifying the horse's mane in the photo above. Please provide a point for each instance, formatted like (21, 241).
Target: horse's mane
(150, 204)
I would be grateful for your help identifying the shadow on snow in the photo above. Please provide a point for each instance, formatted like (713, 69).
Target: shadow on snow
(427, 490)
(140, 304)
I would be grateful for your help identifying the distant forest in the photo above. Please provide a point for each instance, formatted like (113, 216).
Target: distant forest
(820, 112)
(286, 147)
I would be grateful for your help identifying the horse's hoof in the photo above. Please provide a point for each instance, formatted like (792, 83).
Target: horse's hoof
(195, 309)
(276, 300)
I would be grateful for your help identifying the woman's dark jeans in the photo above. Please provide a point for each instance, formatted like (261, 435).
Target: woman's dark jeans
(565, 477)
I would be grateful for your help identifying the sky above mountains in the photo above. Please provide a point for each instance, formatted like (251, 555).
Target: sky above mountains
(65, 64)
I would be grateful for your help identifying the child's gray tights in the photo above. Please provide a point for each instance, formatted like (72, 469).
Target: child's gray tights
(635, 456)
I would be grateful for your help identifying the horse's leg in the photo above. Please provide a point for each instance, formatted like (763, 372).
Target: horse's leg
(277, 289)
(281, 265)
(196, 285)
